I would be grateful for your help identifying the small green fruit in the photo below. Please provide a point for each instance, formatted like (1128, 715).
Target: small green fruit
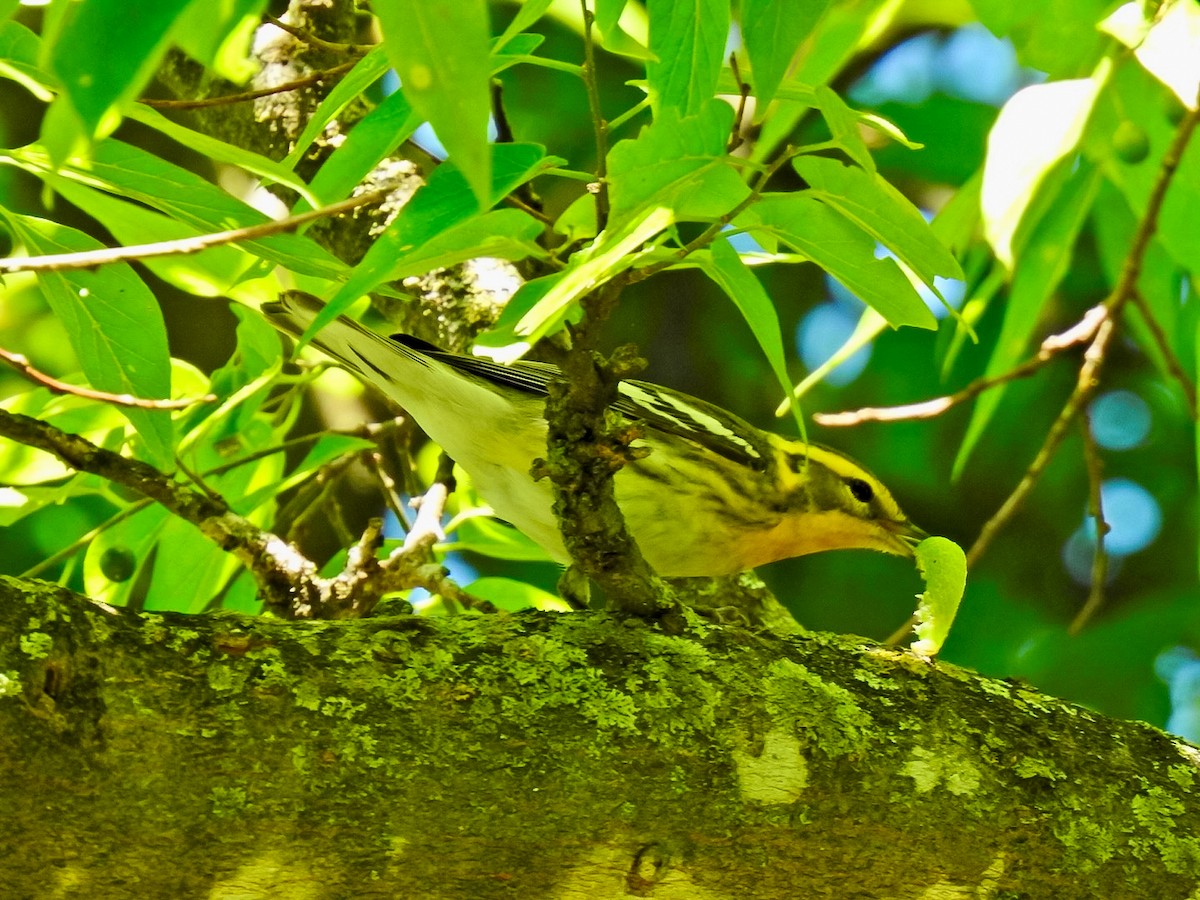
(1130, 143)
(118, 564)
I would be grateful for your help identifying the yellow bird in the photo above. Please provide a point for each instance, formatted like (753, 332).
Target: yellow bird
(714, 495)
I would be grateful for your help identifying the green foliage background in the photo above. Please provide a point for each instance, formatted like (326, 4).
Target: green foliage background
(88, 166)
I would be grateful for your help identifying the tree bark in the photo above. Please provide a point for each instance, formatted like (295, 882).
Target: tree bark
(554, 755)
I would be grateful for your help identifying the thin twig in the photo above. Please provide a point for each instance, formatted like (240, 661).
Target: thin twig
(735, 137)
(599, 126)
(246, 96)
(284, 576)
(88, 259)
(312, 40)
(1095, 471)
(1094, 358)
(1085, 386)
(22, 365)
(1174, 366)
(1079, 333)
(427, 526)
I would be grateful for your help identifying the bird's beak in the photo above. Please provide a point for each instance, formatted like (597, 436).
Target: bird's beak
(907, 536)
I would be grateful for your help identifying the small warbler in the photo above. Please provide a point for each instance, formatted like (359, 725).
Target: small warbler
(714, 496)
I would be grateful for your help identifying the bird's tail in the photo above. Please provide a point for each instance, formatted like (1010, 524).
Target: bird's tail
(375, 358)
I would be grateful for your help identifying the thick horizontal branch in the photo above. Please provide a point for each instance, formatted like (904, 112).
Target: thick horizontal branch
(569, 755)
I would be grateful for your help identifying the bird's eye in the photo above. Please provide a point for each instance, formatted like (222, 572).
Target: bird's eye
(860, 490)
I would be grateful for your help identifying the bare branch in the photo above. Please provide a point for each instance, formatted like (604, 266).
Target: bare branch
(313, 41)
(1174, 366)
(88, 259)
(1095, 470)
(1079, 333)
(599, 125)
(1085, 387)
(1093, 360)
(22, 365)
(246, 96)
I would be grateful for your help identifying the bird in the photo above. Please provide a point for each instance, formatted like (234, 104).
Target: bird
(709, 494)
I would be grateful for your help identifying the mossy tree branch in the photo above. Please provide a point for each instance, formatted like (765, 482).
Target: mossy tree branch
(491, 756)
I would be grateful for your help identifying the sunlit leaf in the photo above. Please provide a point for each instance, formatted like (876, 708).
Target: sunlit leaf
(883, 212)
(104, 55)
(115, 326)
(687, 37)
(1036, 129)
(843, 126)
(845, 252)
(773, 31)
(366, 72)
(130, 172)
(219, 35)
(725, 267)
(511, 595)
(677, 162)
(214, 272)
(541, 306)
(441, 53)
(444, 201)
(1059, 37)
(374, 136)
(1137, 101)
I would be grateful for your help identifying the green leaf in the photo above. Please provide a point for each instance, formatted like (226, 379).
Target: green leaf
(687, 37)
(1158, 282)
(528, 14)
(219, 35)
(511, 595)
(101, 423)
(489, 537)
(843, 127)
(1170, 49)
(869, 326)
(871, 203)
(175, 566)
(220, 151)
(678, 162)
(844, 251)
(725, 267)
(374, 136)
(502, 234)
(1137, 99)
(773, 31)
(835, 40)
(608, 14)
(943, 565)
(130, 172)
(543, 305)
(366, 72)
(444, 201)
(1036, 129)
(20, 50)
(1044, 261)
(214, 272)
(104, 55)
(256, 354)
(115, 327)
(441, 53)
(1057, 36)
